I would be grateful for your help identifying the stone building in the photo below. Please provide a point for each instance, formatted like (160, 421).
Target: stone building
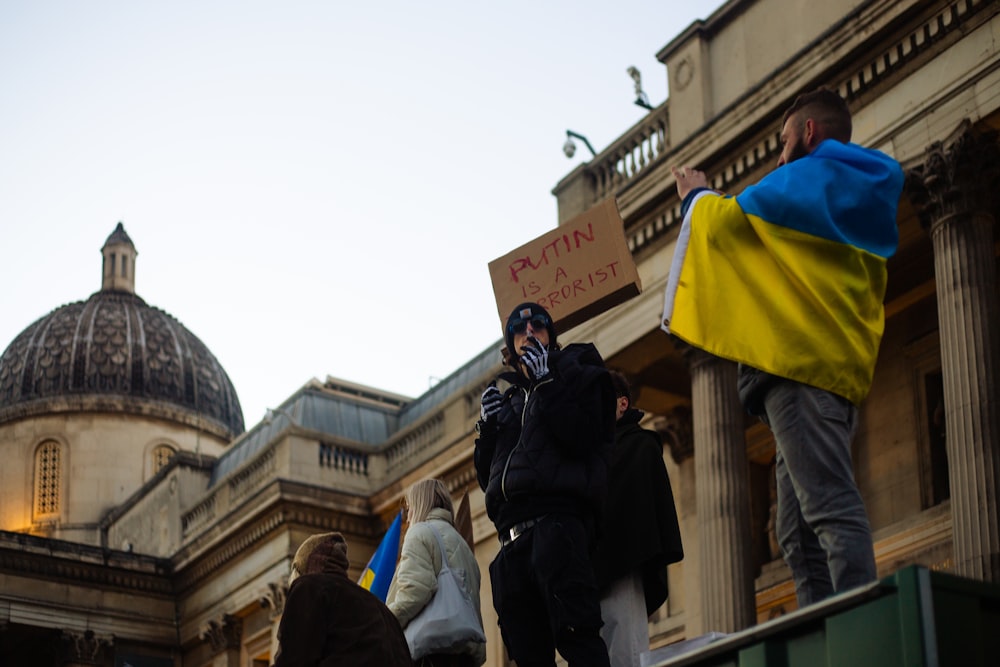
(141, 524)
(922, 80)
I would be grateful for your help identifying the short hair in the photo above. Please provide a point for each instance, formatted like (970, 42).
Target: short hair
(621, 385)
(827, 109)
(426, 495)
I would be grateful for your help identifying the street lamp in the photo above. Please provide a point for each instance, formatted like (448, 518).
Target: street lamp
(641, 99)
(569, 148)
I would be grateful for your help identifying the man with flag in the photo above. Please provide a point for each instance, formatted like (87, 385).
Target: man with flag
(788, 279)
(377, 575)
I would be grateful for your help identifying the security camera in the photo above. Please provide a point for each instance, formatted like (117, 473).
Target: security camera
(569, 148)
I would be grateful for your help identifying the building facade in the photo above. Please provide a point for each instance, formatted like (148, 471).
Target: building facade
(141, 524)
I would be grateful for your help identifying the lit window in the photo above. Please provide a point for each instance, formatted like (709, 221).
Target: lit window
(48, 478)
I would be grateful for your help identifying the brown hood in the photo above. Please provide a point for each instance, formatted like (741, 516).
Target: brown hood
(322, 553)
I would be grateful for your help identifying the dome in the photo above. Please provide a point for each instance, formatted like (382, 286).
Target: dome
(113, 352)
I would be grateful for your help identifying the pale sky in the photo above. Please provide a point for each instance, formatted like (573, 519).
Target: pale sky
(314, 188)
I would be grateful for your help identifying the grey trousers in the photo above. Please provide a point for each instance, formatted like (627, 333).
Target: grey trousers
(626, 627)
(822, 526)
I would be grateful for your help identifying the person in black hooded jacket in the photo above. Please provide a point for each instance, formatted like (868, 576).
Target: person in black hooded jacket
(641, 534)
(542, 459)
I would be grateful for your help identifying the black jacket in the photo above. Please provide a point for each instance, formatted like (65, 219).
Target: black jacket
(641, 533)
(548, 449)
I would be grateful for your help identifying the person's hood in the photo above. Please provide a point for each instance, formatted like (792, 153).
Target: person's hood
(326, 552)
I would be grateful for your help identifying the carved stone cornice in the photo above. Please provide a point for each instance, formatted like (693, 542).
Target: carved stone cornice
(192, 570)
(34, 556)
(223, 633)
(86, 648)
(959, 175)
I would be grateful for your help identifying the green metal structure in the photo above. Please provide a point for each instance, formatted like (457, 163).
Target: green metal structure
(914, 618)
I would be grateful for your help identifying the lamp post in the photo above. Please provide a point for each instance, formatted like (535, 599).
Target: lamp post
(569, 148)
(641, 99)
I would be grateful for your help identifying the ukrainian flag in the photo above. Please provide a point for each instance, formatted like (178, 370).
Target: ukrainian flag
(789, 277)
(377, 575)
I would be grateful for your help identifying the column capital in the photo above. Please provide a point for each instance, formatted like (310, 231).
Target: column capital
(677, 432)
(694, 357)
(223, 633)
(958, 175)
(274, 597)
(86, 648)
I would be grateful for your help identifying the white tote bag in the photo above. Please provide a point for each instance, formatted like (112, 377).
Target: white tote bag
(448, 620)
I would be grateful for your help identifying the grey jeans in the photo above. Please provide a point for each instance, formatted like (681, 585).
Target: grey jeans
(821, 525)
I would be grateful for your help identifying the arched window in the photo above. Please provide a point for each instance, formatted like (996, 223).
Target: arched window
(161, 455)
(48, 479)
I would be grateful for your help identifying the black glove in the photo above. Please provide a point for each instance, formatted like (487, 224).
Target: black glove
(492, 400)
(536, 359)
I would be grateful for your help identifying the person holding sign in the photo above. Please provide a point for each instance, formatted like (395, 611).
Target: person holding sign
(541, 457)
(788, 279)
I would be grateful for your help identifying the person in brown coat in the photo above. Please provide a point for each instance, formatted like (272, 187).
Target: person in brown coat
(330, 621)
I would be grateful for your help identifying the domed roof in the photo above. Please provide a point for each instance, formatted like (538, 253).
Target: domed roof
(114, 352)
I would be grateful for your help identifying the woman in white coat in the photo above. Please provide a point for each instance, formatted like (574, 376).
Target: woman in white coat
(427, 504)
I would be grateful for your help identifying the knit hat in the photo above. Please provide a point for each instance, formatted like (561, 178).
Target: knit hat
(321, 553)
(523, 312)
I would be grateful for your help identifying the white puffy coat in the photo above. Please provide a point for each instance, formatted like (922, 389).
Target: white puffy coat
(415, 580)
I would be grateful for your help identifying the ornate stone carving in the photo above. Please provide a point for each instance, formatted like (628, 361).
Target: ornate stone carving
(86, 648)
(224, 633)
(960, 174)
(685, 73)
(274, 598)
(676, 430)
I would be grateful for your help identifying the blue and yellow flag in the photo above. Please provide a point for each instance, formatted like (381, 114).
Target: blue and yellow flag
(789, 277)
(377, 575)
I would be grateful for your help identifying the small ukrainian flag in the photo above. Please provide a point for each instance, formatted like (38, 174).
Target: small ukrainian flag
(377, 575)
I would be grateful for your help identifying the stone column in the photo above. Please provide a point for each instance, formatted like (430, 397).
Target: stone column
(722, 495)
(954, 192)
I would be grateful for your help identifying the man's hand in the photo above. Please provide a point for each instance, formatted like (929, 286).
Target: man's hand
(688, 179)
(535, 358)
(492, 400)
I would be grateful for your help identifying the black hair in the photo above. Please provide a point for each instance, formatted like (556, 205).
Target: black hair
(621, 385)
(827, 109)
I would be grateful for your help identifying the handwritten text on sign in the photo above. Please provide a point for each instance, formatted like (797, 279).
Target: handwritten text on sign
(575, 271)
(548, 283)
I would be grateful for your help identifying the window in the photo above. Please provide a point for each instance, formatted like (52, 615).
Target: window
(161, 455)
(928, 389)
(935, 461)
(48, 478)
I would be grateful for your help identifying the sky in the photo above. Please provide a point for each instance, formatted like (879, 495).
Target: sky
(314, 188)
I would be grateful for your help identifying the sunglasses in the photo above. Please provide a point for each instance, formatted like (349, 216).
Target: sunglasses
(538, 322)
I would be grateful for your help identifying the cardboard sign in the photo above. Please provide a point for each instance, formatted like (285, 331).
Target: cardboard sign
(576, 271)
